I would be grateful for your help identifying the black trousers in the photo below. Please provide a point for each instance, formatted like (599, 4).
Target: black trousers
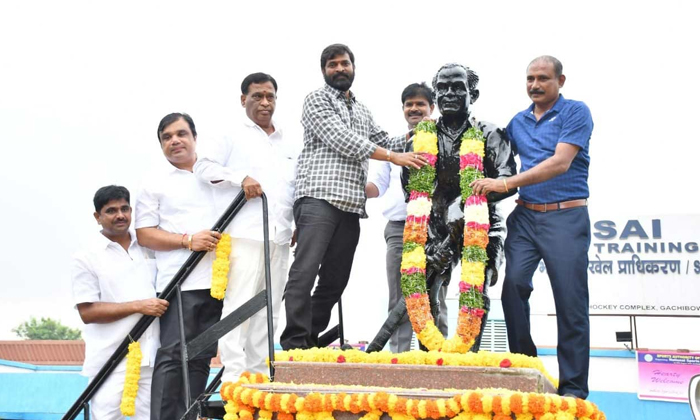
(561, 238)
(200, 311)
(326, 242)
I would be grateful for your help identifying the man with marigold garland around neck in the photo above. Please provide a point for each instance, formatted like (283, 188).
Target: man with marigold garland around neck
(174, 213)
(260, 157)
(455, 88)
(340, 136)
(113, 286)
(551, 220)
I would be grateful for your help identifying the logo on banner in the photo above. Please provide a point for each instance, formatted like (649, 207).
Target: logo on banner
(665, 376)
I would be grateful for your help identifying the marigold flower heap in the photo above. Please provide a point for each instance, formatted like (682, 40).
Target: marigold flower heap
(131, 381)
(479, 404)
(220, 267)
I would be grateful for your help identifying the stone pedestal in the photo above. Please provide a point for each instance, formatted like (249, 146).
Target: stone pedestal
(412, 383)
(435, 378)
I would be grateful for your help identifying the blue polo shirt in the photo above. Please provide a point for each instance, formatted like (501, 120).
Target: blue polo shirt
(566, 122)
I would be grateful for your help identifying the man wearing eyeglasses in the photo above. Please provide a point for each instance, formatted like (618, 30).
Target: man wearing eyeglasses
(259, 158)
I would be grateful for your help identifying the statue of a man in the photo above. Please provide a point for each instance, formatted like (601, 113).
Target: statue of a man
(455, 88)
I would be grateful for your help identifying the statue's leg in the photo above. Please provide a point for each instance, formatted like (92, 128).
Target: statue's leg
(435, 295)
(435, 282)
(390, 325)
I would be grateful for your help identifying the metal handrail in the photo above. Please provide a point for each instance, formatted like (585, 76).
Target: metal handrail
(233, 320)
(230, 322)
(268, 289)
(145, 321)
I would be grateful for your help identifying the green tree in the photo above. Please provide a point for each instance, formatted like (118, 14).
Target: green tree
(46, 329)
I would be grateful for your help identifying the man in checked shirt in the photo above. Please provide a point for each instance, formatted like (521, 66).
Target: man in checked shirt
(340, 136)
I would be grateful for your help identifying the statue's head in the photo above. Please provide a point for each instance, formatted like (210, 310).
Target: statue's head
(455, 89)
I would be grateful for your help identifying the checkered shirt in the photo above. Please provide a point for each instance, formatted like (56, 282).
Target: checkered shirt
(339, 137)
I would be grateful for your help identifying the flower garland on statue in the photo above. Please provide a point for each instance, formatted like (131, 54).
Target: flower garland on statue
(415, 236)
(220, 267)
(131, 381)
(481, 404)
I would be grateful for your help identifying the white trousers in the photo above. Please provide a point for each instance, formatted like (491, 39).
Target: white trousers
(245, 348)
(104, 405)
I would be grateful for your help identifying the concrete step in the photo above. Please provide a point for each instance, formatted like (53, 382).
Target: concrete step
(412, 376)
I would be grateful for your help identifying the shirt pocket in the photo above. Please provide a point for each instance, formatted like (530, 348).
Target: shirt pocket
(289, 168)
(360, 123)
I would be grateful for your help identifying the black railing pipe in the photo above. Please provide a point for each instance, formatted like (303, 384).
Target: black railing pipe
(268, 288)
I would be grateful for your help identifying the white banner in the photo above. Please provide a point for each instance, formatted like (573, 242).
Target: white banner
(648, 265)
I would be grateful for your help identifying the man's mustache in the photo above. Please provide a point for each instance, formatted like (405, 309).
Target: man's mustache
(536, 91)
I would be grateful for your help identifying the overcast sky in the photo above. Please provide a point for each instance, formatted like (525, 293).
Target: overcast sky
(84, 84)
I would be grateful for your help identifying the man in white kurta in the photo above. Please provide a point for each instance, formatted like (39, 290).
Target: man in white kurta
(258, 158)
(174, 213)
(113, 281)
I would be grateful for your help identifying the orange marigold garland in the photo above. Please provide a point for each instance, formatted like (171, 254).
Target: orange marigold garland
(479, 404)
(476, 230)
(413, 263)
(476, 227)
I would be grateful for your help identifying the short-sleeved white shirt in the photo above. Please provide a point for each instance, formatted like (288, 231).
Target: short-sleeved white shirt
(177, 202)
(104, 272)
(387, 178)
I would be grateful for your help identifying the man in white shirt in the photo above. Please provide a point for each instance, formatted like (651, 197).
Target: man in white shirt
(385, 181)
(173, 215)
(113, 285)
(258, 158)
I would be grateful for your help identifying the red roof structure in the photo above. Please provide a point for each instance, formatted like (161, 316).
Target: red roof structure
(51, 352)
(44, 352)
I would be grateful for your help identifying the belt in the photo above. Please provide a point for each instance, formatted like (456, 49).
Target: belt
(544, 208)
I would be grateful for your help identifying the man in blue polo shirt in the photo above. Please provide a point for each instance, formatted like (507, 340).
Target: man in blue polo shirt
(551, 220)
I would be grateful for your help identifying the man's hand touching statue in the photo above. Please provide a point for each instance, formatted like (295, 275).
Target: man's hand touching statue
(408, 159)
(488, 185)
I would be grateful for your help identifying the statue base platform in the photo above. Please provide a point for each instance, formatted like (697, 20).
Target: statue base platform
(309, 390)
(412, 376)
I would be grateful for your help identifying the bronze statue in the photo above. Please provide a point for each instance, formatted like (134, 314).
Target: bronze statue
(455, 88)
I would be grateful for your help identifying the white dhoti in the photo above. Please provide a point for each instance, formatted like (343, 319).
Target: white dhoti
(104, 405)
(245, 348)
